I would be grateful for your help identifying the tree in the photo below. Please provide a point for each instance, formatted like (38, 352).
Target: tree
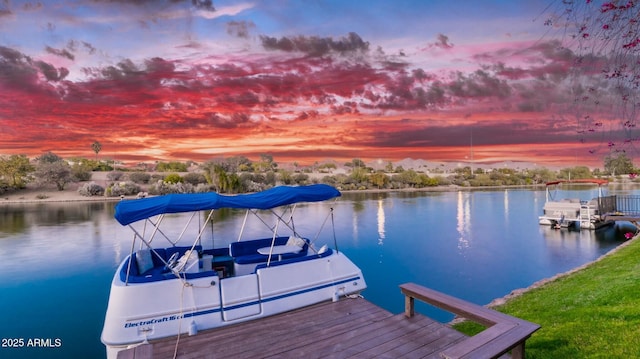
(217, 177)
(542, 175)
(266, 163)
(52, 169)
(15, 169)
(604, 38)
(409, 177)
(617, 165)
(222, 181)
(379, 179)
(48, 157)
(356, 162)
(577, 172)
(96, 147)
(359, 174)
(286, 176)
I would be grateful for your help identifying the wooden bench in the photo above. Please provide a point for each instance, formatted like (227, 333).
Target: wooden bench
(504, 333)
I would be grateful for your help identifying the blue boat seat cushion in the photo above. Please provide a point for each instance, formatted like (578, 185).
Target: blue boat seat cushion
(327, 252)
(246, 252)
(144, 260)
(139, 271)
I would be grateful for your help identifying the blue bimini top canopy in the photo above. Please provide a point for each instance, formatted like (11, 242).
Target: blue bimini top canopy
(134, 210)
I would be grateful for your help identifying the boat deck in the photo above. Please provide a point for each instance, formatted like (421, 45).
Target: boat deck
(344, 329)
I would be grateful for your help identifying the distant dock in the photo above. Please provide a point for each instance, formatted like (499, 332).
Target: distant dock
(622, 208)
(353, 328)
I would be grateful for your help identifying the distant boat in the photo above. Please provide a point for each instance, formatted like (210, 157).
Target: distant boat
(574, 212)
(163, 291)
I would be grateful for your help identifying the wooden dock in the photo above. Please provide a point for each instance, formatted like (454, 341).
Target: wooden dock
(350, 328)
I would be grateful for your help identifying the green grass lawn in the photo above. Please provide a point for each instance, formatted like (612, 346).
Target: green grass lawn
(592, 313)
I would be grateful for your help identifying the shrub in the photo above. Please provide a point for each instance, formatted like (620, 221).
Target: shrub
(122, 189)
(156, 177)
(91, 189)
(139, 177)
(81, 175)
(103, 167)
(194, 178)
(114, 176)
(301, 179)
(4, 187)
(443, 181)
(173, 178)
(171, 166)
(164, 187)
(81, 172)
(202, 188)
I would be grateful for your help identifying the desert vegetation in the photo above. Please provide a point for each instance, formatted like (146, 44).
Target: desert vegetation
(239, 174)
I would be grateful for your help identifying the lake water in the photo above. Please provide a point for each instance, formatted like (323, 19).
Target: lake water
(58, 259)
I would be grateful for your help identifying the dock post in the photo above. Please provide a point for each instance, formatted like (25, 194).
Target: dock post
(409, 310)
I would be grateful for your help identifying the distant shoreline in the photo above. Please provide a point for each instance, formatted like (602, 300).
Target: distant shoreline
(70, 194)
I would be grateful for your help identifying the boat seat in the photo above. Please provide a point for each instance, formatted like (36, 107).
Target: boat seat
(180, 250)
(157, 271)
(326, 253)
(217, 252)
(153, 274)
(246, 252)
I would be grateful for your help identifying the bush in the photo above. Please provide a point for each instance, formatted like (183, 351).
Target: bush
(91, 189)
(171, 166)
(114, 176)
(173, 178)
(156, 177)
(202, 188)
(102, 167)
(194, 178)
(81, 172)
(81, 175)
(443, 181)
(301, 179)
(122, 189)
(164, 187)
(4, 187)
(139, 177)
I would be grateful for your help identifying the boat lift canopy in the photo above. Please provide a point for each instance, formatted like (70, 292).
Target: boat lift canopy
(131, 211)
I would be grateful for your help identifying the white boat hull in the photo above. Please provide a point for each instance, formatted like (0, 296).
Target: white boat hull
(143, 311)
(572, 213)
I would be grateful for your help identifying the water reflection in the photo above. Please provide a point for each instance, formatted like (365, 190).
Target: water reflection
(467, 243)
(381, 231)
(12, 222)
(506, 206)
(563, 241)
(463, 217)
(16, 218)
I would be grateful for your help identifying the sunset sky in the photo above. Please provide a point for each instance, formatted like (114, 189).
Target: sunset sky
(302, 81)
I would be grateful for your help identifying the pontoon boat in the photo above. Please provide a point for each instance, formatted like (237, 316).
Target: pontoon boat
(162, 291)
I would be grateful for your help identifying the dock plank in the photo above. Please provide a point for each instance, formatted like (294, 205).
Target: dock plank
(349, 328)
